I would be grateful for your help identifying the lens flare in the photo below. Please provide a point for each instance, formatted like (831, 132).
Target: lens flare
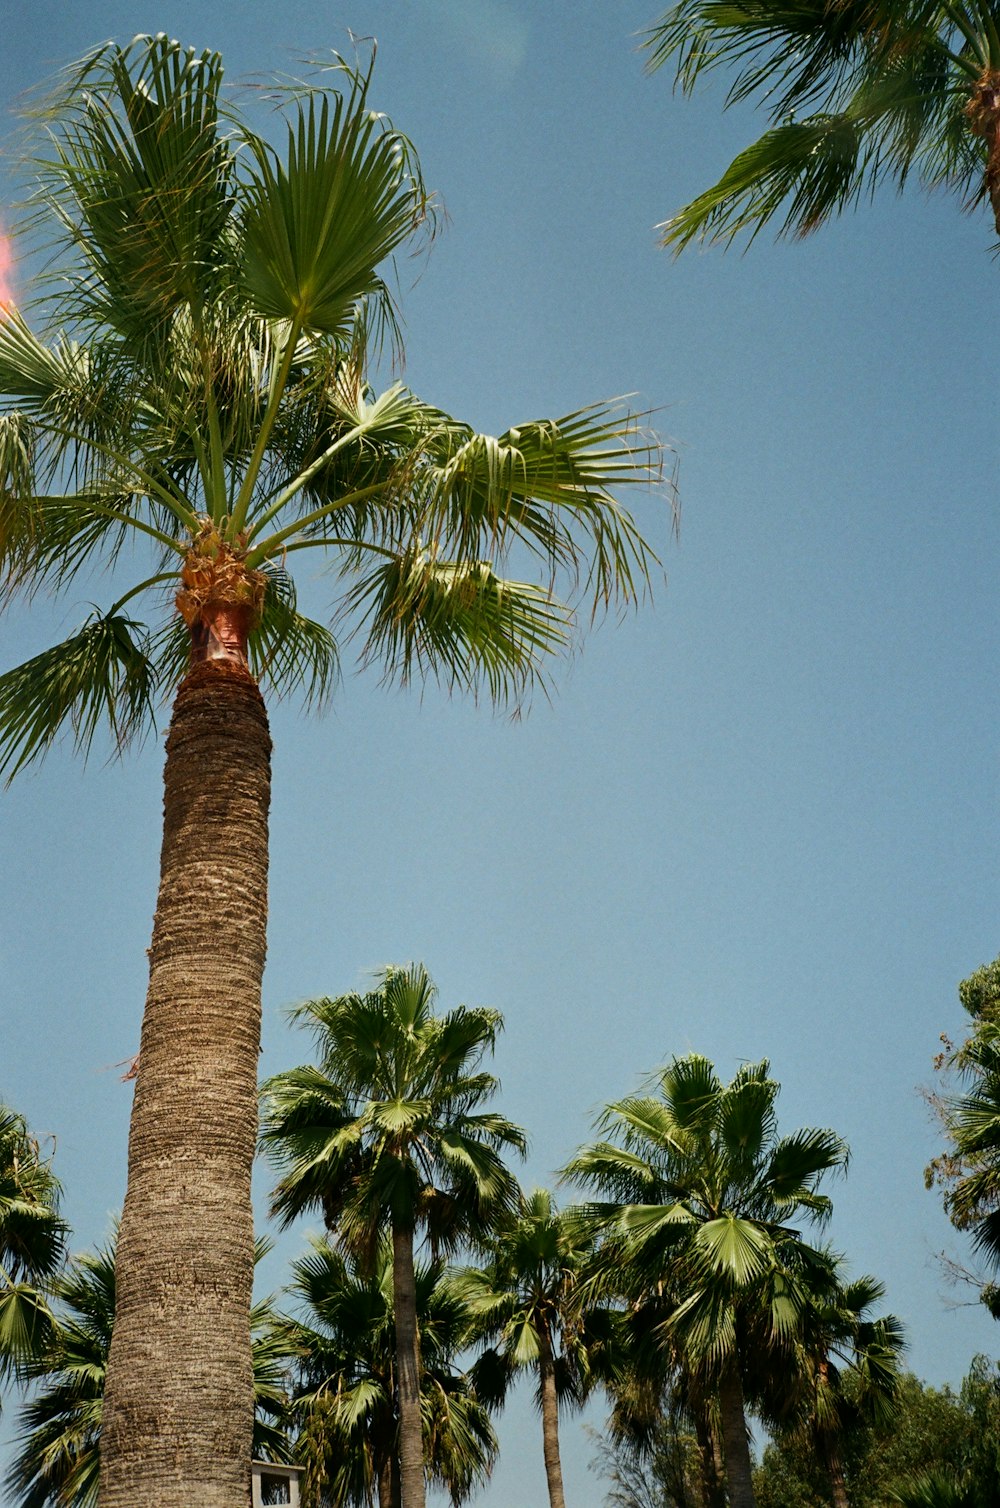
(6, 273)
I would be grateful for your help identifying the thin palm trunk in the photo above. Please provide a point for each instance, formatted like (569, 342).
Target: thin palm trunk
(735, 1444)
(411, 1436)
(388, 1482)
(178, 1410)
(713, 1492)
(550, 1422)
(835, 1471)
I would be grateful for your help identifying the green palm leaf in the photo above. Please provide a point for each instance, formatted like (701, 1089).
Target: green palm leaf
(856, 93)
(102, 673)
(319, 222)
(150, 177)
(459, 623)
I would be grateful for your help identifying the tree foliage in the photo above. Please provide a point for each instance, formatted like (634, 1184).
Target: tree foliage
(32, 1244)
(345, 1399)
(856, 94)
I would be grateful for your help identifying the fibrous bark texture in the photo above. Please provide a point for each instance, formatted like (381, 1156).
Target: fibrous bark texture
(178, 1409)
(411, 1435)
(983, 114)
(388, 1480)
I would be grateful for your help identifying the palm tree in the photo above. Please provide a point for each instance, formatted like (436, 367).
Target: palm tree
(856, 93)
(388, 1137)
(58, 1465)
(972, 1120)
(527, 1300)
(656, 1398)
(845, 1372)
(346, 1396)
(937, 1489)
(32, 1243)
(698, 1192)
(199, 387)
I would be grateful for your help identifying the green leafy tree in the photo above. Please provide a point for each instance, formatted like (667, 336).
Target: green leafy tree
(346, 1398)
(58, 1464)
(528, 1303)
(195, 383)
(697, 1195)
(32, 1243)
(659, 1401)
(935, 1431)
(857, 94)
(389, 1137)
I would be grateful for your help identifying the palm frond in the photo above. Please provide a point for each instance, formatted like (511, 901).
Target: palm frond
(856, 93)
(289, 651)
(320, 222)
(461, 624)
(103, 672)
(137, 152)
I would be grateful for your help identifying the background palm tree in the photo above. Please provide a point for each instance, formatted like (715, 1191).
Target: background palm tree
(698, 1192)
(58, 1465)
(843, 1373)
(972, 1196)
(857, 93)
(32, 1244)
(346, 1398)
(389, 1137)
(528, 1301)
(200, 387)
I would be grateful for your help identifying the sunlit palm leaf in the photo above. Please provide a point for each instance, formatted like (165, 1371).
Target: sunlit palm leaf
(150, 178)
(101, 674)
(461, 624)
(322, 220)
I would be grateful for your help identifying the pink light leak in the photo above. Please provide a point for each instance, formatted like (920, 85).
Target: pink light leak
(6, 269)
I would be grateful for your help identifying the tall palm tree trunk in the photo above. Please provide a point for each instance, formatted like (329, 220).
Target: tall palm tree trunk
(550, 1423)
(411, 1435)
(388, 1481)
(178, 1409)
(713, 1491)
(835, 1471)
(735, 1445)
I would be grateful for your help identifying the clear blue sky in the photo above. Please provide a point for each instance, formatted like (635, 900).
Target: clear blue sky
(760, 817)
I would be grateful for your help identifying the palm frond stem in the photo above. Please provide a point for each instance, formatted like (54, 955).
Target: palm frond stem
(162, 576)
(305, 477)
(213, 476)
(267, 423)
(178, 506)
(960, 20)
(335, 542)
(178, 546)
(269, 546)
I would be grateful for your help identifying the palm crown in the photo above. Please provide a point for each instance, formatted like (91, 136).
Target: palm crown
(32, 1243)
(345, 1397)
(856, 93)
(389, 1128)
(699, 1192)
(203, 385)
(389, 1137)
